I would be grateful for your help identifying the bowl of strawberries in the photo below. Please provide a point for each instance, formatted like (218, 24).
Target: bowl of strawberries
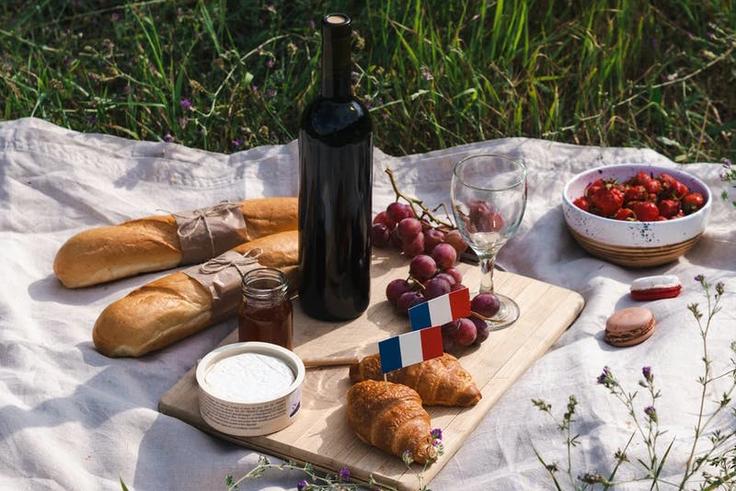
(636, 215)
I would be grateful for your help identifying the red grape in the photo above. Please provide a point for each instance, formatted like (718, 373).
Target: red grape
(396, 288)
(422, 267)
(415, 247)
(481, 328)
(398, 211)
(380, 235)
(448, 343)
(432, 237)
(457, 286)
(485, 304)
(395, 239)
(447, 277)
(409, 228)
(449, 329)
(383, 218)
(445, 255)
(455, 239)
(437, 287)
(408, 300)
(466, 332)
(455, 273)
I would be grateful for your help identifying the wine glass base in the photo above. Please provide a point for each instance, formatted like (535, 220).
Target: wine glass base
(507, 314)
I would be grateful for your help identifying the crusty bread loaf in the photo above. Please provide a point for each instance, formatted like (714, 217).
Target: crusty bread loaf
(176, 306)
(150, 244)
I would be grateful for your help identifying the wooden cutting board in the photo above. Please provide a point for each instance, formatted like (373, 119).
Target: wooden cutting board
(321, 435)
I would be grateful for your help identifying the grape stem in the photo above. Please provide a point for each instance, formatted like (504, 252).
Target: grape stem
(415, 203)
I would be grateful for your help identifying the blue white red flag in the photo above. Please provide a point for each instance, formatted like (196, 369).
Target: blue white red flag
(440, 310)
(410, 348)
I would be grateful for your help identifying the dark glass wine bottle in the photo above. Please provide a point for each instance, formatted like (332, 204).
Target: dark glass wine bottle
(335, 188)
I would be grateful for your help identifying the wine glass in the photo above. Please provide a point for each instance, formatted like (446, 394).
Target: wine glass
(488, 201)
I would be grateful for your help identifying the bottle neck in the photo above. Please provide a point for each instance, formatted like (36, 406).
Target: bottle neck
(336, 66)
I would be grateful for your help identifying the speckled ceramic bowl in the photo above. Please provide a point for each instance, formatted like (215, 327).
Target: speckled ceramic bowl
(633, 244)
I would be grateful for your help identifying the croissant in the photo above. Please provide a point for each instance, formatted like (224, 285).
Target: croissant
(440, 381)
(391, 417)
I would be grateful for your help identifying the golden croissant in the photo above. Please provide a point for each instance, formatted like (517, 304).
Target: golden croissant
(391, 417)
(440, 381)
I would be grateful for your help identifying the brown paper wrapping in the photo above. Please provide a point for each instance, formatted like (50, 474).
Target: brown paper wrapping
(207, 232)
(222, 276)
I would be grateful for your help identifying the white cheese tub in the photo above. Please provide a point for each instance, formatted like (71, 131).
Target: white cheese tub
(250, 389)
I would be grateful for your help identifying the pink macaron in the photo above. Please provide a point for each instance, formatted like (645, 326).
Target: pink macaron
(655, 287)
(630, 326)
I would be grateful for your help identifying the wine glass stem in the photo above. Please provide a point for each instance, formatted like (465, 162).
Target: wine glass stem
(486, 267)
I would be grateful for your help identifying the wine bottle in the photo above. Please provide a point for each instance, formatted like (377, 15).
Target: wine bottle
(335, 188)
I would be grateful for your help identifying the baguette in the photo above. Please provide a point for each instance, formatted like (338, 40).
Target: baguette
(175, 306)
(150, 244)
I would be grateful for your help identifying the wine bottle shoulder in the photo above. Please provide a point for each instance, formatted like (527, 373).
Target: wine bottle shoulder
(336, 121)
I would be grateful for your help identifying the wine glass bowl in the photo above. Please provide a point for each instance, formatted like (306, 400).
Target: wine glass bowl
(488, 202)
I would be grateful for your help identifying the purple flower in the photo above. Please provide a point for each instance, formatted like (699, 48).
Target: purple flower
(605, 376)
(647, 372)
(302, 485)
(168, 138)
(436, 433)
(185, 104)
(270, 63)
(344, 474)
(700, 278)
(254, 88)
(651, 413)
(237, 143)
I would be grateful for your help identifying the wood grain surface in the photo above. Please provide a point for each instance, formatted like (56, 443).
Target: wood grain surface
(321, 435)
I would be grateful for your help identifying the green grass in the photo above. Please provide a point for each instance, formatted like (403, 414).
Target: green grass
(435, 73)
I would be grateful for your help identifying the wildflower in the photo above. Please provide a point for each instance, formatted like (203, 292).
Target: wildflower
(237, 143)
(647, 372)
(271, 93)
(302, 485)
(292, 49)
(651, 413)
(426, 74)
(719, 288)
(436, 433)
(591, 478)
(606, 378)
(407, 457)
(700, 278)
(254, 88)
(168, 138)
(186, 104)
(270, 63)
(344, 474)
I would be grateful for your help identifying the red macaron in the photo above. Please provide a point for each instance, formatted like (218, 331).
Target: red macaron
(655, 287)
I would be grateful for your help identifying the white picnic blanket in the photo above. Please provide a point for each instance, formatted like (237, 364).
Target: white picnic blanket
(72, 419)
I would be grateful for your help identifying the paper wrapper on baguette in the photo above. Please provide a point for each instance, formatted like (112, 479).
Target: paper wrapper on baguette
(178, 305)
(162, 242)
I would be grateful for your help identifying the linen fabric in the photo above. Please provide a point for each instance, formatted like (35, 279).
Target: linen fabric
(71, 418)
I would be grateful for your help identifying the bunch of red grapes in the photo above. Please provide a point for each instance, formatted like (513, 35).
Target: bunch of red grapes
(643, 198)
(431, 276)
(399, 227)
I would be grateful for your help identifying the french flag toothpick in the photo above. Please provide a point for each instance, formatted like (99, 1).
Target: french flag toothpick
(440, 310)
(410, 348)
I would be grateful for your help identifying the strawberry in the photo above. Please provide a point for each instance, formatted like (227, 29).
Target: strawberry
(680, 190)
(593, 187)
(668, 207)
(625, 214)
(646, 211)
(641, 178)
(607, 201)
(692, 202)
(583, 203)
(635, 193)
(653, 186)
(668, 183)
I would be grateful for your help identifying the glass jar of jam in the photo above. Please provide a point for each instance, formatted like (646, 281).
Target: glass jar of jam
(266, 314)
